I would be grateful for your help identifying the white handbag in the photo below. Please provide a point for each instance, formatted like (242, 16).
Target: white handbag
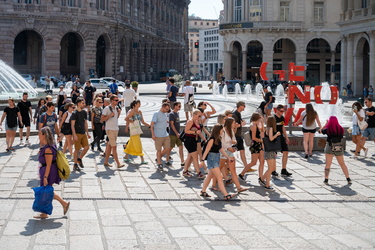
(362, 124)
(135, 128)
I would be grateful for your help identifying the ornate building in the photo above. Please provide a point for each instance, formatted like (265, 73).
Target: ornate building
(127, 39)
(357, 23)
(279, 32)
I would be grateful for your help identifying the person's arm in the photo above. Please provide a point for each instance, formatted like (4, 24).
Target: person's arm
(143, 121)
(31, 113)
(152, 131)
(360, 118)
(48, 156)
(188, 128)
(73, 123)
(19, 117)
(63, 118)
(87, 128)
(285, 135)
(130, 115)
(171, 125)
(92, 120)
(118, 113)
(2, 119)
(206, 131)
(208, 148)
(213, 110)
(318, 121)
(107, 117)
(299, 121)
(271, 135)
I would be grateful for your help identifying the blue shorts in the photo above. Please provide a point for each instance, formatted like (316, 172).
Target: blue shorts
(213, 160)
(369, 133)
(356, 130)
(230, 154)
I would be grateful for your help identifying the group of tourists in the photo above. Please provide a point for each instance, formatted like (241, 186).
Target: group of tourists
(210, 151)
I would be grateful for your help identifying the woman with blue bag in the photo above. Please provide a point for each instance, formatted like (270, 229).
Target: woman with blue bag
(48, 173)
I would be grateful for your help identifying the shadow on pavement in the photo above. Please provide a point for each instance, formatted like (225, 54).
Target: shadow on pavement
(343, 190)
(35, 226)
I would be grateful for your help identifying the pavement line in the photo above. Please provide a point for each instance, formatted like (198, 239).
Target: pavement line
(236, 200)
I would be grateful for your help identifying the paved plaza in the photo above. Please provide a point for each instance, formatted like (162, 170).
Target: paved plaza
(137, 207)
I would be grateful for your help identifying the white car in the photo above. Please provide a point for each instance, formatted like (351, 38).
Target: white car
(98, 83)
(109, 80)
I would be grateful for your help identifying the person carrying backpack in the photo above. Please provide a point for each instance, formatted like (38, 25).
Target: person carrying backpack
(49, 118)
(48, 171)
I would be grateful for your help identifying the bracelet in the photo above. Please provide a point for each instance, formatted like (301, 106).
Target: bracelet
(46, 177)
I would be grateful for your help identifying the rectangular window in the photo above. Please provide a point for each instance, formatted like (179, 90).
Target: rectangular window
(255, 10)
(318, 11)
(71, 3)
(284, 11)
(237, 10)
(100, 4)
(364, 4)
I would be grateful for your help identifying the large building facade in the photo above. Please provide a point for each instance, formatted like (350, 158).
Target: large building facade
(279, 32)
(210, 53)
(127, 39)
(195, 25)
(357, 23)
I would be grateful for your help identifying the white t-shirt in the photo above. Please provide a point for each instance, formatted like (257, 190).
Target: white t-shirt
(355, 117)
(312, 126)
(187, 90)
(226, 140)
(129, 96)
(111, 123)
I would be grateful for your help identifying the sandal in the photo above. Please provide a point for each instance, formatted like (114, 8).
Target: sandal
(229, 196)
(204, 194)
(66, 208)
(40, 217)
(127, 160)
(242, 190)
(144, 163)
(107, 165)
(11, 148)
(228, 182)
(214, 188)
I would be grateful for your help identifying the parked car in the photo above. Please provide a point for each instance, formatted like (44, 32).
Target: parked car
(109, 80)
(56, 82)
(27, 77)
(231, 85)
(98, 83)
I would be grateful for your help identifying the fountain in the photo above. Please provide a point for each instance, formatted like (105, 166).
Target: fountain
(259, 92)
(247, 91)
(225, 92)
(237, 90)
(12, 84)
(280, 94)
(215, 89)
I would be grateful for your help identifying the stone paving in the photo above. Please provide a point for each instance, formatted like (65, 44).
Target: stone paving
(138, 207)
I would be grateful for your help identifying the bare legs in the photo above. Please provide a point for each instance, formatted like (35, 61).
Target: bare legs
(340, 160)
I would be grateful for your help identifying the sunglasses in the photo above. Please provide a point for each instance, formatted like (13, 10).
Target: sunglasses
(281, 110)
(100, 102)
(116, 100)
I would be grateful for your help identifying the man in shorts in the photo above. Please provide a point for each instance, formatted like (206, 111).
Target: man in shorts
(280, 127)
(174, 133)
(369, 132)
(80, 132)
(26, 113)
(159, 125)
(240, 123)
(110, 116)
(188, 93)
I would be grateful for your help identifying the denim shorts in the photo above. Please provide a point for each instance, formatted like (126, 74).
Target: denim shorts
(230, 154)
(369, 133)
(10, 128)
(356, 130)
(213, 160)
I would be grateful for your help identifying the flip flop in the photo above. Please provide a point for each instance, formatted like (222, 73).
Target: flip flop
(40, 217)
(127, 160)
(242, 190)
(66, 208)
(144, 162)
(229, 196)
(107, 165)
(120, 166)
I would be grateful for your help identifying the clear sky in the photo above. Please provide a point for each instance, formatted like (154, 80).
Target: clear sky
(206, 9)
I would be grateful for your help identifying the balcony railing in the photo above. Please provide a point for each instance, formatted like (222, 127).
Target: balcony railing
(357, 14)
(29, 7)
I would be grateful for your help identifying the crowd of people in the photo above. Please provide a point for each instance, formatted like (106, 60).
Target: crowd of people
(210, 151)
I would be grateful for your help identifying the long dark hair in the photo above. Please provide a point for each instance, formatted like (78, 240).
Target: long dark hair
(310, 114)
(133, 103)
(40, 102)
(216, 133)
(228, 125)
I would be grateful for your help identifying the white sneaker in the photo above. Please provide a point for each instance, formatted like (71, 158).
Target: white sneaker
(353, 157)
(21, 142)
(366, 151)
(27, 142)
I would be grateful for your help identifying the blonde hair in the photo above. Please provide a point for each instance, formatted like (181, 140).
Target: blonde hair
(196, 111)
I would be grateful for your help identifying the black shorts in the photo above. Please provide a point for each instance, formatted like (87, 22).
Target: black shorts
(239, 145)
(309, 130)
(88, 102)
(25, 122)
(190, 144)
(66, 129)
(284, 146)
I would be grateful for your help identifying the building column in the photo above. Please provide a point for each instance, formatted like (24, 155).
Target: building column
(332, 80)
(301, 60)
(244, 65)
(230, 11)
(372, 59)
(267, 57)
(343, 70)
(350, 63)
(227, 69)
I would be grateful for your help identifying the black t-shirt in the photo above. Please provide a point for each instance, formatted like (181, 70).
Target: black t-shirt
(370, 119)
(80, 117)
(89, 91)
(238, 118)
(24, 107)
(215, 148)
(280, 122)
(11, 118)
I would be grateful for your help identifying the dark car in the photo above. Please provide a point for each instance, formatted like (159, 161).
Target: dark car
(231, 85)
